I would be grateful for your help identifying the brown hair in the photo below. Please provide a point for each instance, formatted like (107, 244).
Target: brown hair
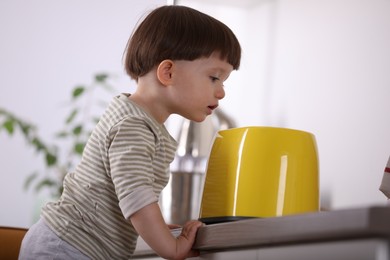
(178, 33)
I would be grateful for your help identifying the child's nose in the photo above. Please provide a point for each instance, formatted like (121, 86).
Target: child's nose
(220, 92)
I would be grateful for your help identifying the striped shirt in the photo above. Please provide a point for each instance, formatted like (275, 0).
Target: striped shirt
(124, 167)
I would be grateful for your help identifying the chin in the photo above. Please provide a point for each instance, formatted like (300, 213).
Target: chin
(198, 119)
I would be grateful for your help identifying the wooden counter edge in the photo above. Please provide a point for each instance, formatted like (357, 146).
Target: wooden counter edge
(338, 224)
(352, 223)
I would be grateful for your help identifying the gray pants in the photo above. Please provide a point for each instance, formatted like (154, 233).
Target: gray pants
(41, 242)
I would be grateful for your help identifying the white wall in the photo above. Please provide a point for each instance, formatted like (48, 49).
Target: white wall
(315, 65)
(320, 66)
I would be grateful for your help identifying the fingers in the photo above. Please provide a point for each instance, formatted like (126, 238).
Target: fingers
(173, 226)
(190, 228)
(187, 237)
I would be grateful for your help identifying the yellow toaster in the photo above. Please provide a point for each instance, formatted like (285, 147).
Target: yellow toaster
(260, 172)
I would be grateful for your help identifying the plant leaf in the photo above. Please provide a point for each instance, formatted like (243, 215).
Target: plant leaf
(101, 77)
(9, 126)
(38, 144)
(25, 128)
(77, 91)
(77, 130)
(71, 116)
(95, 120)
(29, 180)
(62, 134)
(79, 147)
(45, 182)
(59, 191)
(51, 159)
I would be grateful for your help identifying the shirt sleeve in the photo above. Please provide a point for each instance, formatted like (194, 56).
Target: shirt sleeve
(130, 155)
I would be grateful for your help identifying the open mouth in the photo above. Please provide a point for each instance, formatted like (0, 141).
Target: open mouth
(213, 107)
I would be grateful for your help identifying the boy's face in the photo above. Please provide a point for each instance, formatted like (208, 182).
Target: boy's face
(197, 86)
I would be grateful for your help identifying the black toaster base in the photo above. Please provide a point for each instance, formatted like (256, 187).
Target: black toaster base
(216, 220)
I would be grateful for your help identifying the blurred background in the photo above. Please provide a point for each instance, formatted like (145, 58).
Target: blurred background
(315, 65)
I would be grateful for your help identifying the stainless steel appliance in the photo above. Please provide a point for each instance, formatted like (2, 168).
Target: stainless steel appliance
(180, 200)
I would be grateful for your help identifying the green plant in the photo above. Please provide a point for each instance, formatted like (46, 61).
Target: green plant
(60, 155)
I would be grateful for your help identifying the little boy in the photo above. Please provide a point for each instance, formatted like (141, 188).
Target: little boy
(180, 58)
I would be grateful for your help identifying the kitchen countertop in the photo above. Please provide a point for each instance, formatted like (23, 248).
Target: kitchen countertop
(370, 222)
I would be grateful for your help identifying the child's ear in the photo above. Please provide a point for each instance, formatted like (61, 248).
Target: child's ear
(164, 72)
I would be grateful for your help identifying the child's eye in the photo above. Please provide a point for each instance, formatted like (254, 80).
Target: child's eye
(213, 79)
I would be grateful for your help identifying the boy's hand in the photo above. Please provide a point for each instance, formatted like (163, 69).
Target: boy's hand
(187, 238)
(151, 226)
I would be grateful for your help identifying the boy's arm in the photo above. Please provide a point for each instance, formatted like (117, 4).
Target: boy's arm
(150, 225)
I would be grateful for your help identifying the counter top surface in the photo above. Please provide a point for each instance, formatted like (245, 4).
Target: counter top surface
(320, 226)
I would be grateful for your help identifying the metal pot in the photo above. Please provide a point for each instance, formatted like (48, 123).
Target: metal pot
(180, 200)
